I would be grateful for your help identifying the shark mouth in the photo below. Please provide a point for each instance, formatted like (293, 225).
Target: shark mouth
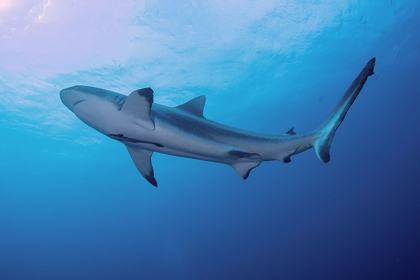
(77, 102)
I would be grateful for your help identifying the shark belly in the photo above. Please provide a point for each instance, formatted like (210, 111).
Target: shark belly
(189, 136)
(180, 135)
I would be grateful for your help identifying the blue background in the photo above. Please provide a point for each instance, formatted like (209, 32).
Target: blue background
(73, 206)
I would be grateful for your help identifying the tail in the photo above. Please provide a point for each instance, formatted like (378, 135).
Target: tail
(328, 128)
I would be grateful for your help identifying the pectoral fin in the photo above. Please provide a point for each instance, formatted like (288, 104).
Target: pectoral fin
(143, 162)
(138, 105)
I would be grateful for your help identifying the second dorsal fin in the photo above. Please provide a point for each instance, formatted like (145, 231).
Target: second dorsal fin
(194, 106)
(291, 131)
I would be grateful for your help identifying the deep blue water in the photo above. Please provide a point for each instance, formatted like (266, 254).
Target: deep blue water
(73, 206)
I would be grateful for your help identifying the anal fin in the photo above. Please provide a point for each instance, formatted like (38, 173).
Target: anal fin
(287, 158)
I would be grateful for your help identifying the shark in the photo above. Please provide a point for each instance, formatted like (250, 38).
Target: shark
(145, 127)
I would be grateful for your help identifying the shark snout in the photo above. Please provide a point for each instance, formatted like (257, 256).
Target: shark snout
(64, 96)
(67, 96)
(63, 93)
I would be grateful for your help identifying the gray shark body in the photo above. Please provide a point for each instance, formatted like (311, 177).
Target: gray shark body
(145, 127)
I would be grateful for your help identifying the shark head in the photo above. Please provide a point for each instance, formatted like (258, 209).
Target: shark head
(92, 105)
(90, 96)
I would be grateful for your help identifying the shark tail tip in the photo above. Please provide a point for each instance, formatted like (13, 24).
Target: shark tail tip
(370, 67)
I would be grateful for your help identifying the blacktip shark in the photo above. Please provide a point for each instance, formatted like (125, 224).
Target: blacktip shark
(145, 127)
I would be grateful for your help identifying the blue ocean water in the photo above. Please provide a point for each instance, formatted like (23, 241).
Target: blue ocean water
(73, 206)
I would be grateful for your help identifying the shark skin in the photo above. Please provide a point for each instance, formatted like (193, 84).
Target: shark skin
(145, 127)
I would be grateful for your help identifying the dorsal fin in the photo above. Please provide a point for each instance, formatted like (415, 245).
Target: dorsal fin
(138, 105)
(194, 106)
(291, 131)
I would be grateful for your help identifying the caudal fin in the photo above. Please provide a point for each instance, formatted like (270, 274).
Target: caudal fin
(328, 128)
